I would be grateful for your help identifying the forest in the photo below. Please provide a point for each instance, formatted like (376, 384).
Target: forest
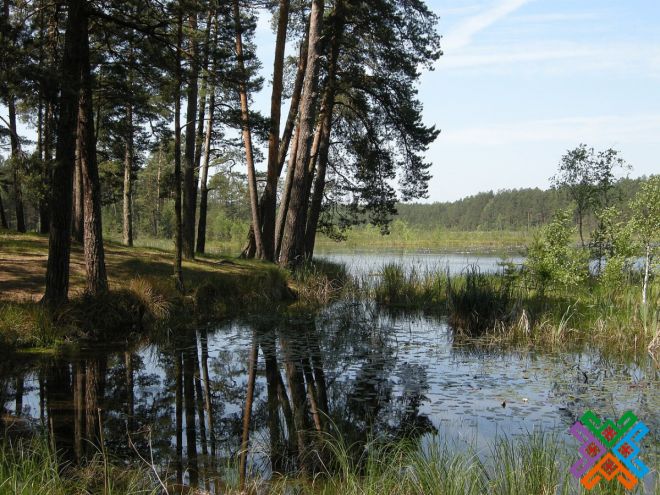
(100, 87)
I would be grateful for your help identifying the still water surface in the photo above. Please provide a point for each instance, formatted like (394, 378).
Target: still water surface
(372, 372)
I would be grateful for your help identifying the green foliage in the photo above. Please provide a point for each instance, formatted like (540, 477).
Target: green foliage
(552, 261)
(646, 211)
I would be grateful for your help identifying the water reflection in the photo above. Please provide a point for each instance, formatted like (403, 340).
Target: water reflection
(258, 395)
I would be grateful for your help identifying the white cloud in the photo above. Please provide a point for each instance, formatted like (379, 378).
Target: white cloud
(462, 35)
(503, 56)
(604, 130)
(554, 17)
(561, 56)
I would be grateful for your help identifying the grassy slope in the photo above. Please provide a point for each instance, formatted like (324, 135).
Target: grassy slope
(142, 290)
(23, 259)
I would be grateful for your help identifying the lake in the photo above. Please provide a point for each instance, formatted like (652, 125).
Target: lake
(371, 373)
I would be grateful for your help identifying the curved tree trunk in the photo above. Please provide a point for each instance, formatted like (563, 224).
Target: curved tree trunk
(208, 138)
(286, 196)
(292, 249)
(285, 141)
(247, 133)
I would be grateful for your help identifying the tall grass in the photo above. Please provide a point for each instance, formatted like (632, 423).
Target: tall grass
(30, 467)
(533, 464)
(503, 307)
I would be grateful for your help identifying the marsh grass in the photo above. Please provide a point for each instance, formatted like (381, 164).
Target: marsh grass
(319, 282)
(30, 467)
(501, 308)
(409, 288)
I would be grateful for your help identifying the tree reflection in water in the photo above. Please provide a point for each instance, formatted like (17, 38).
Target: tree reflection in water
(271, 391)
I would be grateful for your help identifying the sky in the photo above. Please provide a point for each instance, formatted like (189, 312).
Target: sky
(522, 81)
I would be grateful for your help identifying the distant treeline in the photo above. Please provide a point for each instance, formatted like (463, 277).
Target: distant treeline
(508, 209)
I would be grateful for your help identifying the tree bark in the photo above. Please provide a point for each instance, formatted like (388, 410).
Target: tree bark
(178, 235)
(273, 420)
(292, 250)
(285, 141)
(128, 180)
(13, 134)
(647, 269)
(269, 196)
(78, 206)
(189, 196)
(203, 188)
(15, 157)
(96, 278)
(3, 216)
(201, 107)
(247, 133)
(286, 196)
(327, 108)
(59, 242)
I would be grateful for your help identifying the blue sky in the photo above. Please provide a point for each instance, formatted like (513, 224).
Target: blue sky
(522, 81)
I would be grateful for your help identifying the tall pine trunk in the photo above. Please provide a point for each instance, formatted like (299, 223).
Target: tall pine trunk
(96, 278)
(327, 108)
(78, 208)
(286, 196)
(269, 196)
(292, 249)
(13, 133)
(201, 106)
(129, 154)
(178, 269)
(15, 157)
(247, 133)
(203, 188)
(189, 186)
(285, 141)
(59, 242)
(3, 216)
